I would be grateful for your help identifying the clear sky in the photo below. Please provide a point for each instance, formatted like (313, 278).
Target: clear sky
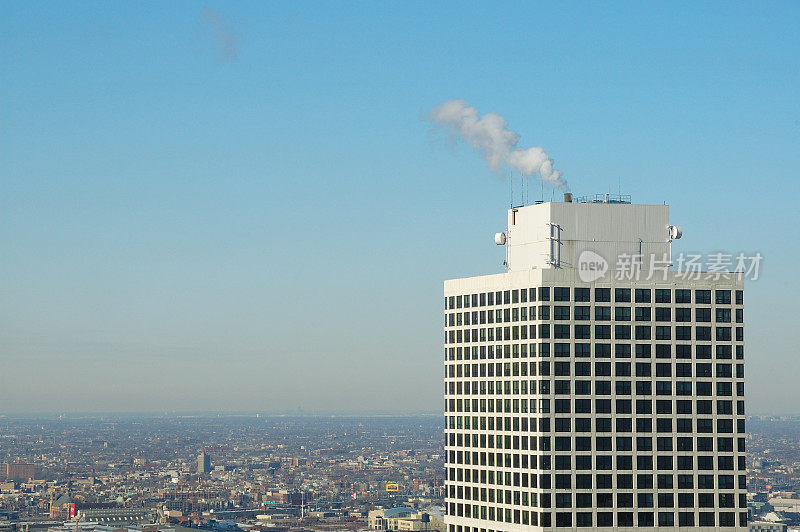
(239, 206)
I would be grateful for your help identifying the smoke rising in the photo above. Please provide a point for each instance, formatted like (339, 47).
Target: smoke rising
(490, 135)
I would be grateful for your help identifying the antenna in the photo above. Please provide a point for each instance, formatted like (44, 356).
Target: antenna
(511, 182)
(619, 185)
(525, 190)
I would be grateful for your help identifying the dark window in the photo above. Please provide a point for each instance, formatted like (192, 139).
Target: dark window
(685, 500)
(642, 295)
(644, 406)
(622, 332)
(602, 332)
(561, 312)
(563, 519)
(602, 295)
(583, 332)
(625, 518)
(561, 349)
(683, 388)
(544, 293)
(625, 500)
(582, 294)
(561, 293)
(663, 388)
(663, 314)
(602, 313)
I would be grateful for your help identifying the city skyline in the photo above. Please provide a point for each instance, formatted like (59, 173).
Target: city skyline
(247, 207)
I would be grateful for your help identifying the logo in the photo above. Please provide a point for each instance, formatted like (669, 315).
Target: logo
(591, 266)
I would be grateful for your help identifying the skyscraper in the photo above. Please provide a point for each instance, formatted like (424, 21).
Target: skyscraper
(203, 463)
(590, 385)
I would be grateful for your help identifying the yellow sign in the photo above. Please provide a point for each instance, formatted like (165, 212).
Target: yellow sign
(392, 487)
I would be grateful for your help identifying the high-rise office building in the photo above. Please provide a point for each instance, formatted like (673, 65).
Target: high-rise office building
(203, 463)
(591, 386)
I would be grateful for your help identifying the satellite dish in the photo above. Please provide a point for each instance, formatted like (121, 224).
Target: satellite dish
(675, 232)
(500, 239)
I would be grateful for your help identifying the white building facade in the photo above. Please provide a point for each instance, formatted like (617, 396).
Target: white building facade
(580, 396)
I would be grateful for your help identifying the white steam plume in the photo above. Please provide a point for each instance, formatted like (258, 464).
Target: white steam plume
(490, 135)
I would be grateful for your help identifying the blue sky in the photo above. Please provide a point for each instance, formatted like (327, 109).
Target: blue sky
(210, 206)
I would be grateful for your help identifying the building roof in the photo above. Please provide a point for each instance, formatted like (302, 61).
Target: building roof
(63, 499)
(400, 511)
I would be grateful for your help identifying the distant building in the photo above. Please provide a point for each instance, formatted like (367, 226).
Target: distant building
(404, 519)
(115, 516)
(60, 507)
(19, 471)
(783, 504)
(203, 463)
(283, 497)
